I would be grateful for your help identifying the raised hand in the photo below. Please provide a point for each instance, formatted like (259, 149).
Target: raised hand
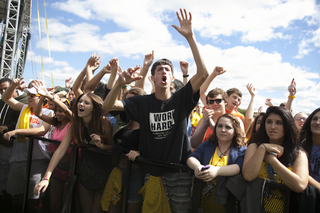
(268, 102)
(18, 82)
(185, 23)
(219, 70)
(184, 66)
(260, 110)
(114, 64)
(207, 116)
(251, 89)
(41, 90)
(292, 88)
(130, 75)
(106, 69)
(68, 83)
(93, 62)
(148, 59)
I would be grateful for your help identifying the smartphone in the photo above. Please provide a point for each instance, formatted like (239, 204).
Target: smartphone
(205, 168)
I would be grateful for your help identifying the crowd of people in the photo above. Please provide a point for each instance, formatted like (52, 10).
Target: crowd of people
(168, 125)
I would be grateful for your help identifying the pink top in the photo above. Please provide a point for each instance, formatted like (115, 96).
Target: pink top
(58, 136)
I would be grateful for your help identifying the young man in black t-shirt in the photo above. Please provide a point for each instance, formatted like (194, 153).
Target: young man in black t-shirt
(163, 115)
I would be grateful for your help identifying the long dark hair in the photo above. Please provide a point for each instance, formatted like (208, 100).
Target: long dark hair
(253, 129)
(238, 139)
(290, 144)
(56, 122)
(306, 135)
(95, 125)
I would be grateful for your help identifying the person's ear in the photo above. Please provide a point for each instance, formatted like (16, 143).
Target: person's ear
(152, 78)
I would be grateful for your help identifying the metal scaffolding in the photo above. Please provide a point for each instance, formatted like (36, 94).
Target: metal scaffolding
(16, 29)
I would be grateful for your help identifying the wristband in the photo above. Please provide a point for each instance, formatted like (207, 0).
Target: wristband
(186, 76)
(46, 179)
(124, 86)
(264, 146)
(291, 96)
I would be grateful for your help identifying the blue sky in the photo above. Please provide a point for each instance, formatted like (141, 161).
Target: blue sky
(263, 42)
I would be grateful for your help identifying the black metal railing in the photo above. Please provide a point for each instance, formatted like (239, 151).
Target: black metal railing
(195, 189)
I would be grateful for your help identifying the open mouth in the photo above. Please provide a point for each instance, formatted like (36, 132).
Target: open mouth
(81, 110)
(164, 79)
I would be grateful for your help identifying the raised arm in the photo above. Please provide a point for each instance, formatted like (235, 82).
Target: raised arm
(113, 71)
(292, 92)
(184, 66)
(204, 87)
(126, 77)
(38, 113)
(41, 90)
(268, 102)
(249, 113)
(92, 65)
(68, 84)
(148, 60)
(7, 96)
(92, 84)
(187, 31)
(81, 77)
(57, 156)
(200, 132)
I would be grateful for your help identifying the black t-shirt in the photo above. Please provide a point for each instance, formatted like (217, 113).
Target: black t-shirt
(163, 124)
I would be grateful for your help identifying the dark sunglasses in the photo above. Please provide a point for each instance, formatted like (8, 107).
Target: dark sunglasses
(65, 100)
(32, 95)
(218, 101)
(300, 119)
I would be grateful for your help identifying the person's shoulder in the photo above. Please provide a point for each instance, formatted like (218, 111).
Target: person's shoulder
(243, 148)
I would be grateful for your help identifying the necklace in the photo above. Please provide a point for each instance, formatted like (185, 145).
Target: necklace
(223, 153)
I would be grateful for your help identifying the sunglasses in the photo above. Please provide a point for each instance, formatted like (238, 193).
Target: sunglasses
(65, 100)
(32, 95)
(300, 119)
(218, 101)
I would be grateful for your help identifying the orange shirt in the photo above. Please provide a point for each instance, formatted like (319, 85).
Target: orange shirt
(237, 114)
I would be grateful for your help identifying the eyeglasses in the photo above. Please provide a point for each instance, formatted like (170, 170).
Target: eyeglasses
(300, 119)
(218, 101)
(32, 95)
(65, 100)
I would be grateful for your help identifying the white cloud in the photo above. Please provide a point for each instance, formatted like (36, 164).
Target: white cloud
(130, 29)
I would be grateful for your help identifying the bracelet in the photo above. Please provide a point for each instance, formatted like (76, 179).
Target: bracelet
(291, 96)
(43, 99)
(52, 98)
(46, 179)
(264, 146)
(186, 76)
(124, 86)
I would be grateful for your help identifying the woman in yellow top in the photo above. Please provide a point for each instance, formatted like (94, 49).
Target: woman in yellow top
(276, 152)
(221, 155)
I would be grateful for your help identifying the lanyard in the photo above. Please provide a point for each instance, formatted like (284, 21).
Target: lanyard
(220, 156)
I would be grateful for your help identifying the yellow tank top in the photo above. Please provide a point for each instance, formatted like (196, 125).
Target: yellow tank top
(264, 173)
(273, 198)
